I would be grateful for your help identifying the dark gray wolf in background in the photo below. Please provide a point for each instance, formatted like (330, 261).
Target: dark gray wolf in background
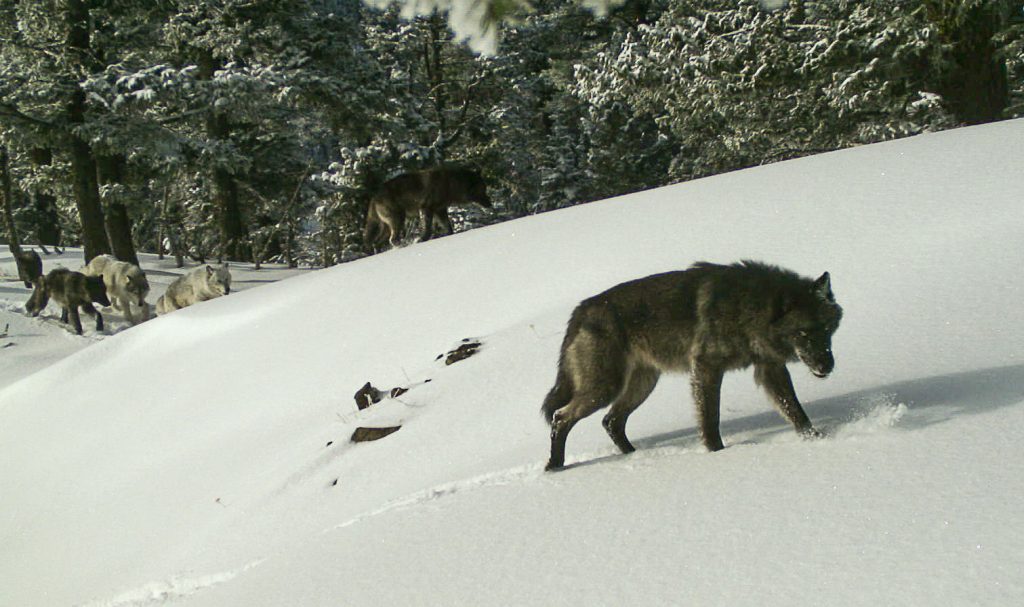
(706, 320)
(429, 193)
(72, 290)
(126, 284)
(30, 266)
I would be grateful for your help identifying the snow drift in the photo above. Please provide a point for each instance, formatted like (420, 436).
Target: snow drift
(203, 457)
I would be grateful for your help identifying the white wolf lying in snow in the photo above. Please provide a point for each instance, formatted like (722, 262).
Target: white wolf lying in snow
(126, 284)
(200, 284)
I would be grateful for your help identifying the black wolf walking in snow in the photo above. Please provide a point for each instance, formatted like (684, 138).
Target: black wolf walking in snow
(30, 265)
(706, 320)
(72, 290)
(429, 193)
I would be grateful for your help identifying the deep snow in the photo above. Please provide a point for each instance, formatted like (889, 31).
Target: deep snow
(203, 458)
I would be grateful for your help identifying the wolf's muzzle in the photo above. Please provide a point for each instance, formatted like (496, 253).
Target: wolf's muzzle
(823, 367)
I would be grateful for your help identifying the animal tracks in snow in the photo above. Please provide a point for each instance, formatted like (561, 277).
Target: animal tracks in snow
(494, 479)
(170, 589)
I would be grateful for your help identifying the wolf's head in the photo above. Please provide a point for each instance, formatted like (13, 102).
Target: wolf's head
(96, 290)
(218, 281)
(808, 323)
(476, 187)
(137, 285)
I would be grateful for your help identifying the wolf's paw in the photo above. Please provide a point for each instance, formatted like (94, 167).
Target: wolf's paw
(813, 434)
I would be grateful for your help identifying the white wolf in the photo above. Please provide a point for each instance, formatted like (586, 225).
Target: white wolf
(200, 284)
(126, 284)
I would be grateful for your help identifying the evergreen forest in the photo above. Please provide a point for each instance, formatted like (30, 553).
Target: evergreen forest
(257, 130)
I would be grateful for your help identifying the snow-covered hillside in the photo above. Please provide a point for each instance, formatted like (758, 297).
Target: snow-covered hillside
(203, 458)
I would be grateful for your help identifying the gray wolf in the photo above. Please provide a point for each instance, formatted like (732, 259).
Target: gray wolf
(705, 320)
(200, 284)
(126, 284)
(30, 266)
(72, 290)
(430, 193)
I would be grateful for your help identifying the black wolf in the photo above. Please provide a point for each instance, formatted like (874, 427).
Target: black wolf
(72, 290)
(706, 320)
(428, 192)
(30, 266)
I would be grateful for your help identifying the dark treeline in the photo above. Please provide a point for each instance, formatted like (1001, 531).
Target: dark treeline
(256, 129)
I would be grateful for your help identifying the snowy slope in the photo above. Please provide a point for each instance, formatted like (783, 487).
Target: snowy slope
(202, 458)
(40, 344)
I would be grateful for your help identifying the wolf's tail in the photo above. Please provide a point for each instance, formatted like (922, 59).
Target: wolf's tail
(559, 396)
(372, 230)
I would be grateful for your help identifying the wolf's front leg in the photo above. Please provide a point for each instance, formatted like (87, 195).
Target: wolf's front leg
(706, 383)
(776, 381)
(72, 314)
(427, 221)
(126, 305)
(445, 221)
(92, 311)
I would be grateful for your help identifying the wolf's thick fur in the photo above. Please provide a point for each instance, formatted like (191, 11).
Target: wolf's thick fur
(200, 284)
(72, 290)
(706, 320)
(30, 266)
(126, 284)
(429, 193)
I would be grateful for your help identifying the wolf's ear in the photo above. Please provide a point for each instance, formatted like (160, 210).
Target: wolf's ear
(209, 271)
(823, 287)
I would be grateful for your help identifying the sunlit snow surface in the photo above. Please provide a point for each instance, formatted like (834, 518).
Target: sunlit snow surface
(202, 458)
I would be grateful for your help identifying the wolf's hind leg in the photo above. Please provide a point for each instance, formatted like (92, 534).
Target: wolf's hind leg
(778, 384)
(597, 377)
(582, 404)
(639, 386)
(706, 382)
(395, 226)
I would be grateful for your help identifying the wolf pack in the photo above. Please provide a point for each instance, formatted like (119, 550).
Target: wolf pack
(109, 282)
(705, 320)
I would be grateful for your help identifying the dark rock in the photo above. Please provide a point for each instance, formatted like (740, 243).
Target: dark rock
(366, 396)
(365, 435)
(462, 352)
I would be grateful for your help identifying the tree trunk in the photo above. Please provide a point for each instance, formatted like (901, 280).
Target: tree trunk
(7, 192)
(434, 63)
(118, 224)
(289, 252)
(83, 164)
(976, 85)
(161, 224)
(47, 219)
(234, 235)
